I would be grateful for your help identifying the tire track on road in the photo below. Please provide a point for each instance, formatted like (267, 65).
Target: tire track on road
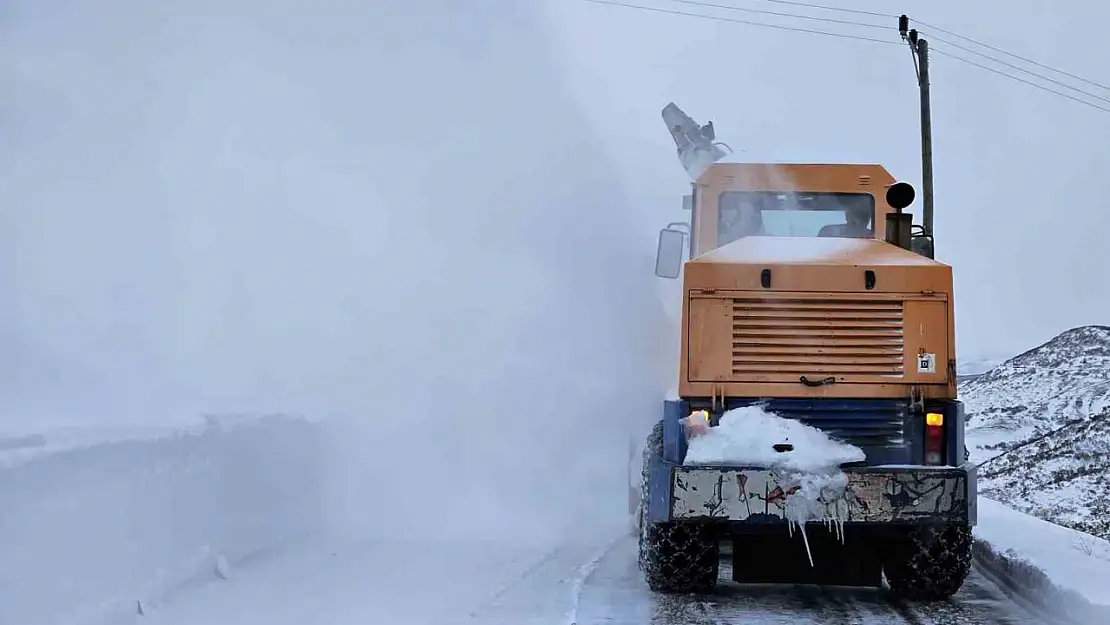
(591, 585)
(585, 571)
(615, 594)
(548, 590)
(508, 586)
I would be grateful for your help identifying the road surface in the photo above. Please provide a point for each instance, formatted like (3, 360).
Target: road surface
(349, 581)
(616, 595)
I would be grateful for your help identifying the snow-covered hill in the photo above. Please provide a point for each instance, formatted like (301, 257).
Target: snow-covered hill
(1040, 425)
(977, 366)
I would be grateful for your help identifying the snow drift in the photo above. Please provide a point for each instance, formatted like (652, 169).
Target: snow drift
(1062, 570)
(90, 532)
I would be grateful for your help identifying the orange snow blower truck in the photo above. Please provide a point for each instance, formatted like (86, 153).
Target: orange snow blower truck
(807, 291)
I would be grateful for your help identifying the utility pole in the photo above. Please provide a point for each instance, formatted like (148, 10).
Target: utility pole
(919, 48)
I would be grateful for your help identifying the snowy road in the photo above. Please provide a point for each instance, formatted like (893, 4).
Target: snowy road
(351, 581)
(616, 595)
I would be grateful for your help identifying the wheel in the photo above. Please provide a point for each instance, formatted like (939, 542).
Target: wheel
(929, 563)
(674, 557)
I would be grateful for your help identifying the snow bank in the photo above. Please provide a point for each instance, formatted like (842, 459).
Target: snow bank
(91, 530)
(806, 459)
(1065, 571)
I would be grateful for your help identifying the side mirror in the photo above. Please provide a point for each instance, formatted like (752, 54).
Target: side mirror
(668, 256)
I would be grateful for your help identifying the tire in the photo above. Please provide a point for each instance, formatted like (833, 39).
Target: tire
(678, 557)
(929, 563)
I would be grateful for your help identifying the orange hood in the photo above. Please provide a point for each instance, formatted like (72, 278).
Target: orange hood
(818, 265)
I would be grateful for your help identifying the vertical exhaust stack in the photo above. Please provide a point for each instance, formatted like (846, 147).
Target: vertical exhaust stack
(899, 225)
(697, 148)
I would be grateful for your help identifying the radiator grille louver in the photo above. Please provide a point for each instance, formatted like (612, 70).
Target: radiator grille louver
(866, 423)
(848, 338)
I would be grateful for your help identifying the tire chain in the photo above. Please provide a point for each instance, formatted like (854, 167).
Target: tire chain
(675, 557)
(930, 563)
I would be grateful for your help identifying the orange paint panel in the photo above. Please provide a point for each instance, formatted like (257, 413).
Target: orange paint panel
(753, 341)
(708, 350)
(927, 341)
(795, 390)
(763, 312)
(815, 279)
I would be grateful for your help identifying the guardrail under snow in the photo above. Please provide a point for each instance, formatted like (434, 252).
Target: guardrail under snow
(89, 531)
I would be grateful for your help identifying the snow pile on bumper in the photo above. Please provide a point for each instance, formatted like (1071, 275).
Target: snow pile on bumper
(1064, 571)
(748, 436)
(806, 458)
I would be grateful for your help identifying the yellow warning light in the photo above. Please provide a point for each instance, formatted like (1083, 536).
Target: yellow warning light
(697, 423)
(934, 419)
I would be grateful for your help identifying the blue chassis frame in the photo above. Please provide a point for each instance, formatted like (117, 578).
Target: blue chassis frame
(675, 446)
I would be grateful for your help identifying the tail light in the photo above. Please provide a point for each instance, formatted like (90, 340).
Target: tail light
(934, 438)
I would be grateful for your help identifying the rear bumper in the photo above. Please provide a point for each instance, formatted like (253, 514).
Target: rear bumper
(875, 495)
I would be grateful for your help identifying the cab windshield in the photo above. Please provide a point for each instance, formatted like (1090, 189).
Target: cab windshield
(777, 214)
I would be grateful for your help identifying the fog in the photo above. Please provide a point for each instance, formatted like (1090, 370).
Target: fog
(395, 217)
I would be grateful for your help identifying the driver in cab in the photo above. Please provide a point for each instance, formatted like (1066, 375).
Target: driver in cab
(856, 227)
(736, 222)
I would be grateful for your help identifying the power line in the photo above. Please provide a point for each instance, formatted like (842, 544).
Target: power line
(942, 52)
(829, 20)
(829, 8)
(739, 21)
(1010, 54)
(934, 37)
(922, 23)
(946, 32)
(925, 24)
(1020, 69)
